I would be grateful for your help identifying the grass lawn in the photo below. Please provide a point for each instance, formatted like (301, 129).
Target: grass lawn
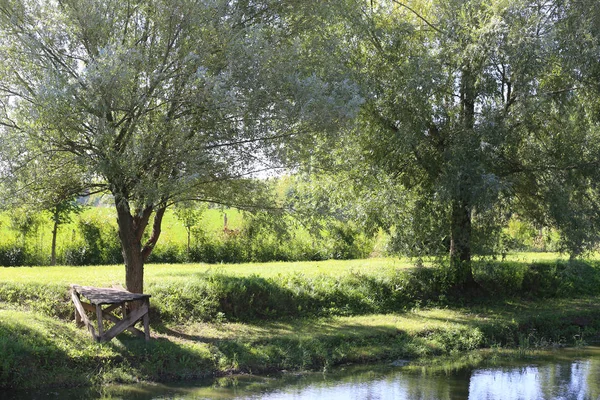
(153, 273)
(106, 275)
(59, 354)
(329, 321)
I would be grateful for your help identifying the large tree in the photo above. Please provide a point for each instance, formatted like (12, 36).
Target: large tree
(159, 101)
(471, 106)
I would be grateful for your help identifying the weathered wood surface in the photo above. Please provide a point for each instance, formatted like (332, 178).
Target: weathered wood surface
(107, 295)
(115, 298)
(107, 314)
(82, 316)
(126, 322)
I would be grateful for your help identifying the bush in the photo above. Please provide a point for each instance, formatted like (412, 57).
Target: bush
(100, 244)
(217, 296)
(12, 255)
(167, 253)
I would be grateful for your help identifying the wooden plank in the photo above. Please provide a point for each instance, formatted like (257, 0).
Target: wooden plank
(107, 295)
(100, 318)
(113, 318)
(116, 320)
(147, 319)
(125, 323)
(88, 307)
(78, 320)
(112, 307)
(80, 309)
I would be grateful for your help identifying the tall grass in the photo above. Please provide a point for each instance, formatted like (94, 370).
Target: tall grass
(378, 310)
(280, 290)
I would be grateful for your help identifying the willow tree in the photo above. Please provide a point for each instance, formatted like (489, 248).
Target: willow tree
(159, 101)
(469, 105)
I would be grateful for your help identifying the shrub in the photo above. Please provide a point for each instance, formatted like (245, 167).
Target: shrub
(12, 255)
(167, 253)
(100, 244)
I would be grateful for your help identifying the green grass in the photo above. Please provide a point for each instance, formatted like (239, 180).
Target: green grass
(216, 319)
(530, 257)
(244, 292)
(159, 273)
(109, 274)
(173, 231)
(58, 354)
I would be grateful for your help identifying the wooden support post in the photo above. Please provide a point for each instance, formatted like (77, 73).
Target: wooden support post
(109, 316)
(147, 319)
(111, 307)
(78, 320)
(100, 323)
(125, 323)
(81, 311)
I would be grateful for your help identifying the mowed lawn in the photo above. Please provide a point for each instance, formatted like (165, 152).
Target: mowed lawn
(110, 274)
(106, 275)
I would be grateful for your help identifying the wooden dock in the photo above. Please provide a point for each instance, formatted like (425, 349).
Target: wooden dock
(114, 299)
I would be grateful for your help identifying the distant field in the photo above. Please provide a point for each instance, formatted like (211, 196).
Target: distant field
(154, 273)
(173, 231)
(108, 274)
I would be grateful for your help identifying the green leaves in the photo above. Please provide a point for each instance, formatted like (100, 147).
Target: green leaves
(477, 104)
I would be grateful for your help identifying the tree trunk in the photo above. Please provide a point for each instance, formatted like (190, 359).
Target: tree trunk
(131, 231)
(188, 229)
(460, 223)
(460, 242)
(131, 248)
(53, 252)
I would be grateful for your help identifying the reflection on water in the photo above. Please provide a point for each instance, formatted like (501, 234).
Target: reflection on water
(569, 376)
(578, 379)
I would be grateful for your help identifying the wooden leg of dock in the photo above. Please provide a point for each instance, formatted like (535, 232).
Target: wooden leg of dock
(146, 319)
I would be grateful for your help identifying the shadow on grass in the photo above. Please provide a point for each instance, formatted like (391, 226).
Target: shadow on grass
(164, 330)
(31, 354)
(38, 351)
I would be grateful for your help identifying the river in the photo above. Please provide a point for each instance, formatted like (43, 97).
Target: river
(561, 374)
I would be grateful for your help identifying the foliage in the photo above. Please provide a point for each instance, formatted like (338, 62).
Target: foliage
(25, 222)
(154, 102)
(91, 238)
(100, 244)
(12, 255)
(472, 113)
(189, 214)
(193, 294)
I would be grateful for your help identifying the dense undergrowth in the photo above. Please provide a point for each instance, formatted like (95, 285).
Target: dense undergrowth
(218, 296)
(217, 323)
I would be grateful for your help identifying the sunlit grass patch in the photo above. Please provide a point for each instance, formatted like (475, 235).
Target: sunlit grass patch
(105, 275)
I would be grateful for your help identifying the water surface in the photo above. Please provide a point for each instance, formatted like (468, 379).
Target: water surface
(565, 374)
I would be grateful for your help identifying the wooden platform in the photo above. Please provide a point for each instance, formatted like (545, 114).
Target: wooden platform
(115, 299)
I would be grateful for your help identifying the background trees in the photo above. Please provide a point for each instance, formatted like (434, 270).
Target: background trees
(474, 110)
(470, 111)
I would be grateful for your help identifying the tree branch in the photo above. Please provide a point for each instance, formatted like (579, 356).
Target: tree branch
(418, 16)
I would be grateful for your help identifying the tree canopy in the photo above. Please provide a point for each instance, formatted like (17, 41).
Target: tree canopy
(473, 110)
(466, 110)
(157, 101)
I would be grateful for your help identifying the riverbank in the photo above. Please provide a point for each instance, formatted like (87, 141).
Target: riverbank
(41, 351)
(210, 323)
